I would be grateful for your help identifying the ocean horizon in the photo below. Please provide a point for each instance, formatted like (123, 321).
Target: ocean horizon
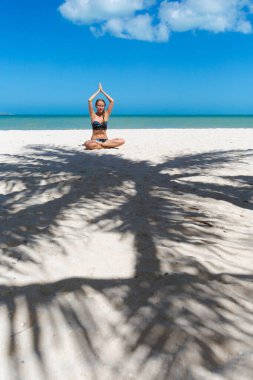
(70, 122)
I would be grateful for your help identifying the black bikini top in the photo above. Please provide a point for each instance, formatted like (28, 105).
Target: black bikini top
(96, 125)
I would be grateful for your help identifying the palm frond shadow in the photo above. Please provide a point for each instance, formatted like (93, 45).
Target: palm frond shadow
(173, 304)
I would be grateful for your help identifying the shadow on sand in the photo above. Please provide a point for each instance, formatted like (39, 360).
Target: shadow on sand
(177, 319)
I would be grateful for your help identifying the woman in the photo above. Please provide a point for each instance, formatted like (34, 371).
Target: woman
(99, 120)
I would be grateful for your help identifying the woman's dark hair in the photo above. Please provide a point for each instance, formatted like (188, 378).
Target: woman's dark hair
(101, 100)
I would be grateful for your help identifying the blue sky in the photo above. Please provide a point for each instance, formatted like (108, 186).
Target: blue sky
(152, 57)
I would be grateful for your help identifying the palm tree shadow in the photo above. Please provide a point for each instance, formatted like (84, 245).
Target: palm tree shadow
(164, 307)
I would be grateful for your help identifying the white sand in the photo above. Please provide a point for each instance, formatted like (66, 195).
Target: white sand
(130, 263)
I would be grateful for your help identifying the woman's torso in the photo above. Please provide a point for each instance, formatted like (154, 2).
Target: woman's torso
(99, 126)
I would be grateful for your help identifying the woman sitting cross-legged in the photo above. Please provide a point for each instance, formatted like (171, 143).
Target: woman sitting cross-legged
(99, 121)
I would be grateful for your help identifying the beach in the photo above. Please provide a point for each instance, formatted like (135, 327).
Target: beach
(131, 263)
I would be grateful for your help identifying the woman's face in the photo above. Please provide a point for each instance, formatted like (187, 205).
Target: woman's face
(100, 106)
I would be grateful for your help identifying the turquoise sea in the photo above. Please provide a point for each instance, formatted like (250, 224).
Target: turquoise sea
(33, 122)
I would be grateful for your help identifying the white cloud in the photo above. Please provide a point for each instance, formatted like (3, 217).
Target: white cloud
(212, 15)
(139, 28)
(130, 18)
(90, 11)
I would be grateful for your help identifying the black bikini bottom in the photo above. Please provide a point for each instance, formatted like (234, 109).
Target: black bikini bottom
(101, 140)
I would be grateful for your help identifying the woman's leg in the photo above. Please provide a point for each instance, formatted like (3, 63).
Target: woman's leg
(92, 144)
(113, 143)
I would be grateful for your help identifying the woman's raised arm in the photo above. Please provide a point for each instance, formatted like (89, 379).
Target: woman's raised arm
(91, 111)
(110, 107)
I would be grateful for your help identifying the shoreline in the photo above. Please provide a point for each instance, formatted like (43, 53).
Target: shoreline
(121, 122)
